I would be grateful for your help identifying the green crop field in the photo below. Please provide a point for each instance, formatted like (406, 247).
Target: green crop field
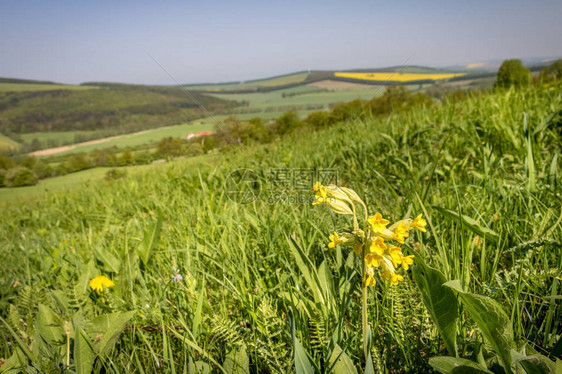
(208, 268)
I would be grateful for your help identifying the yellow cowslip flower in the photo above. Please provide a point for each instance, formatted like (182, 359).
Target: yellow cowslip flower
(406, 261)
(378, 224)
(419, 223)
(396, 255)
(378, 246)
(394, 278)
(98, 283)
(358, 249)
(334, 240)
(400, 232)
(370, 281)
(373, 260)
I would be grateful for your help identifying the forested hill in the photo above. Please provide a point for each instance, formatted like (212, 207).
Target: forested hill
(123, 108)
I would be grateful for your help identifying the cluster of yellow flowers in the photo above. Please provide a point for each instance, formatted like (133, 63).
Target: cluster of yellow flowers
(375, 243)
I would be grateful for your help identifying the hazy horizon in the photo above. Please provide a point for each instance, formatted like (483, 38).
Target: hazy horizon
(218, 41)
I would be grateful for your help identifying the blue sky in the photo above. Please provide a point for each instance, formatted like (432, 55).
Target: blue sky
(216, 41)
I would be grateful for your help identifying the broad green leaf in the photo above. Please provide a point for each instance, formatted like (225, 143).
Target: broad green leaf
(492, 321)
(340, 362)
(536, 364)
(369, 367)
(15, 364)
(84, 355)
(469, 223)
(302, 364)
(49, 325)
(237, 361)
(440, 302)
(150, 240)
(107, 329)
(448, 365)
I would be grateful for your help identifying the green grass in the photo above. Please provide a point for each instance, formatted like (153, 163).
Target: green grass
(254, 274)
(28, 87)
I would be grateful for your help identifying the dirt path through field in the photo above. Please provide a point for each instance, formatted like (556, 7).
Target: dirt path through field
(53, 151)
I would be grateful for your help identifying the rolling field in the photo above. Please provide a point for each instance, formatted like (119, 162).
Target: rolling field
(198, 280)
(268, 82)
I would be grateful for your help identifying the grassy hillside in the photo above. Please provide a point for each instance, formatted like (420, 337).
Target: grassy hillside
(203, 275)
(119, 109)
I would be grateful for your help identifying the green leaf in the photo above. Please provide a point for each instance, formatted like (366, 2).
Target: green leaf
(340, 362)
(302, 364)
(199, 367)
(109, 326)
(369, 367)
(49, 325)
(536, 364)
(84, 355)
(469, 223)
(150, 240)
(448, 365)
(440, 302)
(492, 321)
(237, 361)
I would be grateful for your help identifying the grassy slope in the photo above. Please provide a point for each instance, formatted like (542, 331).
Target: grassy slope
(126, 107)
(237, 259)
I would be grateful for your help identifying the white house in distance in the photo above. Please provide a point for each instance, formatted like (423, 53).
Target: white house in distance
(190, 136)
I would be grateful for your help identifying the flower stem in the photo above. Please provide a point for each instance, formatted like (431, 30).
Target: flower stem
(364, 306)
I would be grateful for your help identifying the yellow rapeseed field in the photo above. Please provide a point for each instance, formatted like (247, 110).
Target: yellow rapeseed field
(396, 77)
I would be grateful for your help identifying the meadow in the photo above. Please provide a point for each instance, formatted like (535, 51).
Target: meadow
(202, 281)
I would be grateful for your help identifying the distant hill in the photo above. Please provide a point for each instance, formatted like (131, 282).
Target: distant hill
(378, 76)
(119, 108)
(492, 66)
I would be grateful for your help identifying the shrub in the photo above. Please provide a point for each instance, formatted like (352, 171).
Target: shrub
(512, 73)
(20, 176)
(114, 174)
(2, 175)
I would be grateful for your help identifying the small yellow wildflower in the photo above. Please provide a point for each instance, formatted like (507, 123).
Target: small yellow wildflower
(395, 255)
(98, 283)
(334, 240)
(400, 232)
(419, 223)
(373, 260)
(370, 281)
(378, 246)
(394, 278)
(378, 224)
(406, 261)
